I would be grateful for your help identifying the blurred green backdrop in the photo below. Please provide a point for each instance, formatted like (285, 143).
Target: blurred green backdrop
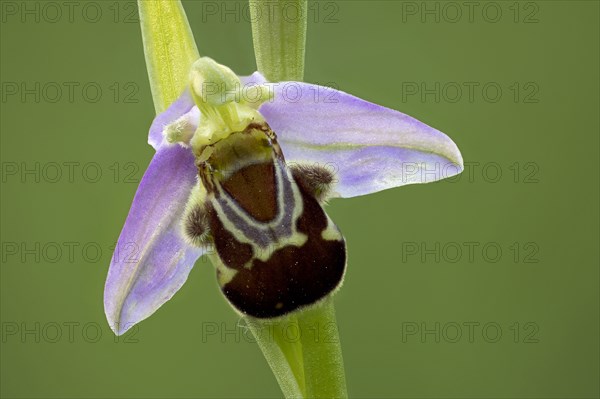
(483, 287)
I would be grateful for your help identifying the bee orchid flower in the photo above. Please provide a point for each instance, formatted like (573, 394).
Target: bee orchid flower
(242, 170)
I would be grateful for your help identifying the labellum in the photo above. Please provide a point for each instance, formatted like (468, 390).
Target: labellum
(276, 248)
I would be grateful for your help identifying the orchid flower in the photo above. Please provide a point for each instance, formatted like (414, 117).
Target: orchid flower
(242, 166)
(242, 171)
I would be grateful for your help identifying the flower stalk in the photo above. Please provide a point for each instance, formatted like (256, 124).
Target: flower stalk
(304, 352)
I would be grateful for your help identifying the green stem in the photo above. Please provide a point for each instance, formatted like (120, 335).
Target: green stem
(304, 352)
(169, 48)
(323, 362)
(279, 36)
(283, 353)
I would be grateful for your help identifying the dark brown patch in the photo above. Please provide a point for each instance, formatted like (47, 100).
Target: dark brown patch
(232, 253)
(293, 276)
(253, 188)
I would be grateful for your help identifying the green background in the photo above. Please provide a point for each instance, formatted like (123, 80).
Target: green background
(373, 50)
